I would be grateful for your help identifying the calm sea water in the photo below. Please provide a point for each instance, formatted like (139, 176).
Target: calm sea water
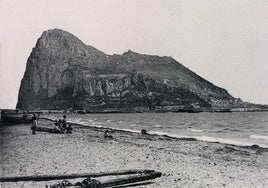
(238, 128)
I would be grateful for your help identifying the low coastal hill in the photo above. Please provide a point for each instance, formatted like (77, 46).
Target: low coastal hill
(64, 73)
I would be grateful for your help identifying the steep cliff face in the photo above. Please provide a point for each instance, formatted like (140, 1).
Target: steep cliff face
(64, 73)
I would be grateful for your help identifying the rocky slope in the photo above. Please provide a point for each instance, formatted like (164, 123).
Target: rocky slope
(64, 73)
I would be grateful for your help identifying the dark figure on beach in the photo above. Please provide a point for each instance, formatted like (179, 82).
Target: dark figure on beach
(69, 129)
(107, 135)
(34, 124)
(56, 128)
(59, 124)
(143, 131)
(34, 117)
(64, 123)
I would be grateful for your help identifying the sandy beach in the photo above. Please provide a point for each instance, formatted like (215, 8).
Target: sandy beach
(183, 163)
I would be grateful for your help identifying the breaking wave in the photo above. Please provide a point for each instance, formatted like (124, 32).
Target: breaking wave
(194, 130)
(259, 136)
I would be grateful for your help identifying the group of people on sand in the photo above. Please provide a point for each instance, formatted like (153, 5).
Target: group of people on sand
(61, 126)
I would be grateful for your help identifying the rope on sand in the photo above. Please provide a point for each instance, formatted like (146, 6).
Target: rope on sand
(86, 183)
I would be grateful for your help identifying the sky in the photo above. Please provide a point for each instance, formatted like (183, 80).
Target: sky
(225, 42)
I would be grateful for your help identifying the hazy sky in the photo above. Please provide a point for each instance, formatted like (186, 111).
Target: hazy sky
(224, 41)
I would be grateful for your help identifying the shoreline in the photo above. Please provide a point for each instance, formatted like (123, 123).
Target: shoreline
(183, 162)
(164, 134)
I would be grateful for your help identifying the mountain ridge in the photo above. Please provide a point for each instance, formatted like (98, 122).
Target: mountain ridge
(64, 73)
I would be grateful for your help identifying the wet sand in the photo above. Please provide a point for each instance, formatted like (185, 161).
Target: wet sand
(184, 163)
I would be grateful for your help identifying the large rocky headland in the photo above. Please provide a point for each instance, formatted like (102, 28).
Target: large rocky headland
(63, 73)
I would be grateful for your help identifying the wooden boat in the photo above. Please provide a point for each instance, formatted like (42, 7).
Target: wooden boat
(48, 130)
(16, 116)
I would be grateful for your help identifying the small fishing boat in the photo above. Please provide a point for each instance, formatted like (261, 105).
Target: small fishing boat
(16, 116)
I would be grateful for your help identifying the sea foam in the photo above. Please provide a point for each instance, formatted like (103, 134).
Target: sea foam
(259, 136)
(194, 130)
(207, 139)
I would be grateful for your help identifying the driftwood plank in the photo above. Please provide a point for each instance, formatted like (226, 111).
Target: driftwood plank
(131, 179)
(70, 176)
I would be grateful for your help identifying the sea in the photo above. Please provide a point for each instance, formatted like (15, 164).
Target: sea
(237, 128)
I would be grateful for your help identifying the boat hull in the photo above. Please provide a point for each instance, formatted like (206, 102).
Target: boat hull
(15, 117)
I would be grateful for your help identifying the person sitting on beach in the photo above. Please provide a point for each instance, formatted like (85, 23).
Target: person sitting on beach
(61, 126)
(107, 135)
(144, 132)
(34, 125)
(56, 128)
(69, 129)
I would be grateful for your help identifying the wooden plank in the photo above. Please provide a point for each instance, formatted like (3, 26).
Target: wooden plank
(131, 179)
(70, 176)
